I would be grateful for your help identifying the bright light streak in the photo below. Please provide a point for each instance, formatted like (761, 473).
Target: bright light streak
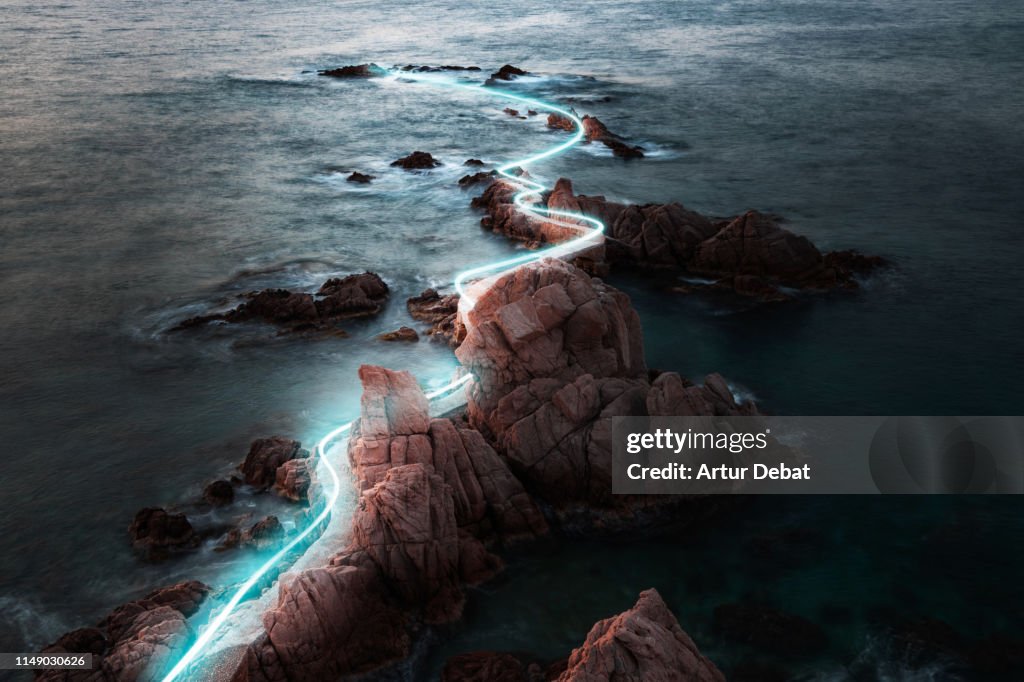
(531, 188)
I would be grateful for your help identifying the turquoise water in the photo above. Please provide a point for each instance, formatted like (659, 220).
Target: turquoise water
(159, 158)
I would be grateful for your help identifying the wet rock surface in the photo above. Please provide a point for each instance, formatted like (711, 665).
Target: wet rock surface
(355, 71)
(417, 161)
(338, 299)
(407, 334)
(156, 533)
(134, 640)
(440, 312)
(750, 255)
(265, 456)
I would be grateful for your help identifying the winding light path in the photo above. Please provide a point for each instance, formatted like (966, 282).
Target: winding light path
(530, 190)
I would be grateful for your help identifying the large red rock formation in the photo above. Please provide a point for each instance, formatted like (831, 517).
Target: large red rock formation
(644, 643)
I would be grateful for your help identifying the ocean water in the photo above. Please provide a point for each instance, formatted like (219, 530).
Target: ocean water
(160, 158)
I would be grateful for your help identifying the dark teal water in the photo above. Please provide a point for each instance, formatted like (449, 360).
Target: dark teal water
(161, 157)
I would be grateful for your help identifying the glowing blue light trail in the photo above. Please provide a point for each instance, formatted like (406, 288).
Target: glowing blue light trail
(530, 189)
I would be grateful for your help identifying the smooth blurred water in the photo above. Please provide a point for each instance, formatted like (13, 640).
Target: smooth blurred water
(159, 158)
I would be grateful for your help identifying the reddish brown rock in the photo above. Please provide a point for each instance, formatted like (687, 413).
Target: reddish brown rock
(355, 71)
(135, 639)
(441, 312)
(156, 534)
(328, 623)
(395, 430)
(750, 255)
(417, 161)
(359, 295)
(294, 480)
(645, 644)
(596, 131)
(406, 524)
(264, 458)
(400, 334)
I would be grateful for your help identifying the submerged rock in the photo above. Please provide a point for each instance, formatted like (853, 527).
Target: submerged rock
(417, 161)
(473, 162)
(355, 71)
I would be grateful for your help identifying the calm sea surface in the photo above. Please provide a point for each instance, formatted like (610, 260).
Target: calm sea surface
(160, 158)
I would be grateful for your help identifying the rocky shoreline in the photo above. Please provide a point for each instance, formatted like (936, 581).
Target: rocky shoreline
(555, 354)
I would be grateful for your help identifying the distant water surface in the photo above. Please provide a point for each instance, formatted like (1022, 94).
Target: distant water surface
(159, 158)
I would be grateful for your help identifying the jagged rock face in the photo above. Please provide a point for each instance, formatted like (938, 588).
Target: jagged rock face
(294, 479)
(265, 456)
(753, 244)
(643, 644)
(488, 500)
(329, 622)
(406, 524)
(749, 255)
(134, 639)
(442, 314)
(555, 353)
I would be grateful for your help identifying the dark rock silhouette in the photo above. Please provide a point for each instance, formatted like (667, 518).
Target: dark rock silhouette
(417, 161)
(355, 71)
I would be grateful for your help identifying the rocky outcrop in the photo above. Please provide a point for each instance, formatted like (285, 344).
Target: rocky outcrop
(557, 354)
(360, 178)
(355, 71)
(596, 131)
(400, 334)
(750, 255)
(266, 533)
(294, 479)
(644, 643)
(434, 69)
(505, 73)
(441, 312)
(134, 640)
(339, 298)
(417, 161)
(473, 162)
(265, 456)
(471, 180)
(219, 493)
(156, 534)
